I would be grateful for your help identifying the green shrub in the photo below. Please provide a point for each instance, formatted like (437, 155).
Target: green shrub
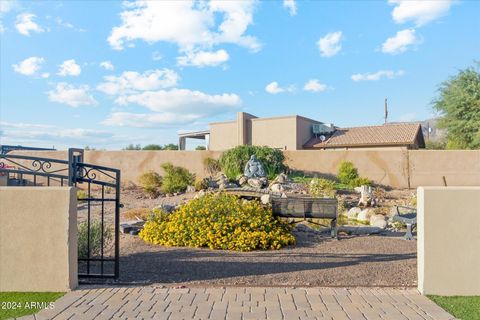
(360, 181)
(348, 175)
(212, 166)
(232, 162)
(150, 182)
(176, 179)
(322, 188)
(95, 239)
(347, 172)
(219, 221)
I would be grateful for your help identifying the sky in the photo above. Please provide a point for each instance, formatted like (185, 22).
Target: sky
(106, 74)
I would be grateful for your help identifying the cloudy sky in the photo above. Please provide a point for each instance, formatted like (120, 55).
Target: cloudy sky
(107, 73)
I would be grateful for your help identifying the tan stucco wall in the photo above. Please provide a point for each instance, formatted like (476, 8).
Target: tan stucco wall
(223, 135)
(384, 167)
(38, 239)
(304, 131)
(133, 163)
(460, 168)
(448, 244)
(275, 132)
(395, 168)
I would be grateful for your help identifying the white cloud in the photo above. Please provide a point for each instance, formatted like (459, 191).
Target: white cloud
(68, 25)
(203, 58)
(182, 101)
(315, 86)
(107, 65)
(132, 81)
(48, 135)
(73, 96)
(25, 24)
(274, 88)
(329, 45)
(5, 7)
(171, 107)
(69, 68)
(291, 6)
(148, 120)
(31, 67)
(189, 24)
(420, 12)
(377, 75)
(400, 42)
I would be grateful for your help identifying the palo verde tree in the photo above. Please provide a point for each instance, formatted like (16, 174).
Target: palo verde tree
(459, 105)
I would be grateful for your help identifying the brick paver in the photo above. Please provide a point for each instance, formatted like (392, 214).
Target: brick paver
(151, 302)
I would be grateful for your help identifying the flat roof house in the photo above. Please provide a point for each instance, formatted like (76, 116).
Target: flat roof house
(298, 133)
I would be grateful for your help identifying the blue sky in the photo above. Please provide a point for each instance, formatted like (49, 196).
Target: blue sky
(107, 74)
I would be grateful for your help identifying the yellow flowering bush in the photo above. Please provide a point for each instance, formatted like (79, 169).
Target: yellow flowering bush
(219, 221)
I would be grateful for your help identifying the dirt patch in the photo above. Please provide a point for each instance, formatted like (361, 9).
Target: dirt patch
(316, 260)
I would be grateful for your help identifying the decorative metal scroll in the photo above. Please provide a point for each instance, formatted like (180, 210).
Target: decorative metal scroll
(98, 196)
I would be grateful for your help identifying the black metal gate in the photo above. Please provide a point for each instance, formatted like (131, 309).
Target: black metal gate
(98, 210)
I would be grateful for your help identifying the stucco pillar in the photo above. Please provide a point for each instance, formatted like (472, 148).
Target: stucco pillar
(241, 128)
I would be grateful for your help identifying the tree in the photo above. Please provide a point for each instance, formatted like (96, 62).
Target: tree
(170, 146)
(133, 147)
(200, 148)
(152, 147)
(459, 105)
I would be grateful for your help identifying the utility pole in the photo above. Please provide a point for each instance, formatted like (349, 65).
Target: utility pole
(386, 111)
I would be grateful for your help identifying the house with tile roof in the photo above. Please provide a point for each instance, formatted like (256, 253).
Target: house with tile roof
(399, 135)
(300, 133)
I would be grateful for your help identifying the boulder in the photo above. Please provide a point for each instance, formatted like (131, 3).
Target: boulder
(364, 215)
(281, 178)
(283, 195)
(168, 208)
(265, 199)
(353, 213)
(190, 189)
(242, 180)
(378, 220)
(221, 178)
(255, 183)
(200, 194)
(276, 187)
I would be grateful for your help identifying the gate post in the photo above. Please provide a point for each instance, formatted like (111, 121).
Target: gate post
(75, 156)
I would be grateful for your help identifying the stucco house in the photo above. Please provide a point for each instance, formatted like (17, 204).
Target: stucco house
(299, 133)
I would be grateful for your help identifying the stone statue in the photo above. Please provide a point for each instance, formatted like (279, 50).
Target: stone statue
(254, 168)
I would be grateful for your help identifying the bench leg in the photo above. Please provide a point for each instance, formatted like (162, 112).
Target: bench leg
(333, 226)
(409, 234)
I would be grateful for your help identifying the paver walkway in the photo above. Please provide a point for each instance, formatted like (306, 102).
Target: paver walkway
(152, 302)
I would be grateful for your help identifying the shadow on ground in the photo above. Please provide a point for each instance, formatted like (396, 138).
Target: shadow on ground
(315, 260)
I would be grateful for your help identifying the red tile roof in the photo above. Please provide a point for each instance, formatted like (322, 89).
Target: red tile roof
(403, 134)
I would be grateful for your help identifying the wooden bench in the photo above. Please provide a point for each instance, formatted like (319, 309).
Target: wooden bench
(307, 208)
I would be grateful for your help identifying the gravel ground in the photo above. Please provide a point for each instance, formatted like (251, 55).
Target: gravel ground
(316, 260)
